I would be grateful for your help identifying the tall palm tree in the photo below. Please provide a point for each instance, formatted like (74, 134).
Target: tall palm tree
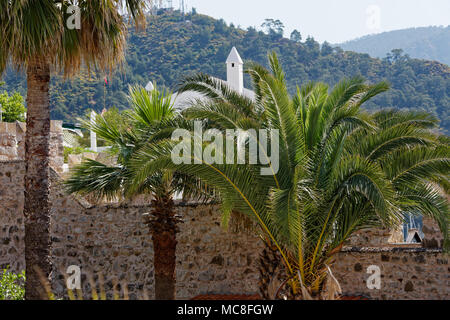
(35, 37)
(341, 170)
(147, 121)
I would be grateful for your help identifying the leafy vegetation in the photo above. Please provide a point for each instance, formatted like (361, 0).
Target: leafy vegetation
(114, 116)
(12, 286)
(175, 46)
(11, 107)
(73, 150)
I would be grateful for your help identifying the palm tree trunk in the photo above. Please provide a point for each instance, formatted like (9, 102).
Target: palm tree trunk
(273, 278)
(37, 207)
(269, 267)
(164, 230)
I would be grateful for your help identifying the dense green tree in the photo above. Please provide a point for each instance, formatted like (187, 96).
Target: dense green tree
(296, 36)
(11, 107)
(326, 49)
(273, 27)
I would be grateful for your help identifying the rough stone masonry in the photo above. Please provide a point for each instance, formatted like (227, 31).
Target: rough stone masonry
(112, 245)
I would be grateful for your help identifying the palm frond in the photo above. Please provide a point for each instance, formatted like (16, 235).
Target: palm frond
(98, 179)
(149, 108)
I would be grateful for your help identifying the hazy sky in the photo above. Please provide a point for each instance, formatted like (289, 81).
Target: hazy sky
(331, 20)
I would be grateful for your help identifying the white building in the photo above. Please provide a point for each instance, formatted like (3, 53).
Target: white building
(235, 80)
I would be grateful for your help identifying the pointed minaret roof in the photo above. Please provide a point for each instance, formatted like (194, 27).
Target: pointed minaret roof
(234, 57)
(149, 86)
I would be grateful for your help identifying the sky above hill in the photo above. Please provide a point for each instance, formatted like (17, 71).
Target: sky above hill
(334, 21)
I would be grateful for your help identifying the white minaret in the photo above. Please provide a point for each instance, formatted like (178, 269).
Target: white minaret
(235, 71)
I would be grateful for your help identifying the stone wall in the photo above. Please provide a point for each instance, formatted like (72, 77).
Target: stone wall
(433, 235)
(11, 220)
(8, 141)
(12, 142)
(113, 239)
(406, 273)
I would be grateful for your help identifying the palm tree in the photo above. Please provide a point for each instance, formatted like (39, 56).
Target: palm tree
(341, 170)
(414, 158)
(147, 121)
(35, 37)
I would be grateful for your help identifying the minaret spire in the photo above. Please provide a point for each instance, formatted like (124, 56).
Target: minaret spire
(235, 71)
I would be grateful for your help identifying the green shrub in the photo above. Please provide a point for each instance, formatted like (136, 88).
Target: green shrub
(11, 106)
(74, 150)
(12, 286)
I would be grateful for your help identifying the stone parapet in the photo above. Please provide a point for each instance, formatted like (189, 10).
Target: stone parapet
(12, 142)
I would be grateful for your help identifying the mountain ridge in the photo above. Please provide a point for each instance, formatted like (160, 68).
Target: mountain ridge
(430, 43)
(174, 46)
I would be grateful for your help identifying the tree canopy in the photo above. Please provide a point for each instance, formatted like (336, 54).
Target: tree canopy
(11, 106)
(174, 46)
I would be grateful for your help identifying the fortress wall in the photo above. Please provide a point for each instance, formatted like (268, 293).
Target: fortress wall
(113, 239)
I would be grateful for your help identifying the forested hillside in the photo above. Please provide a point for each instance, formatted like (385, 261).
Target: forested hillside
(174, 46)
(431, 43)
